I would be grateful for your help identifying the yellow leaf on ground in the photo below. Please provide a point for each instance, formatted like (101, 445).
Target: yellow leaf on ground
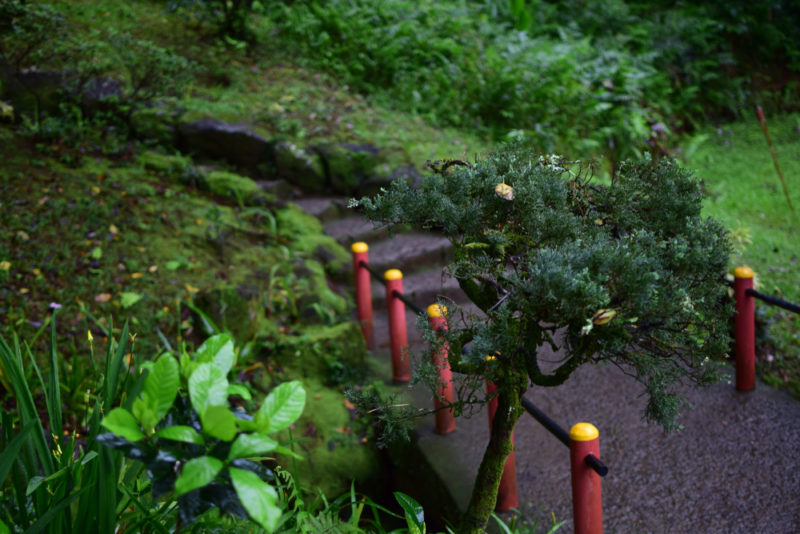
(102, 297)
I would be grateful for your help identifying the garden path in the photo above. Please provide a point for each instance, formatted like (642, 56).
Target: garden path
(734, 468)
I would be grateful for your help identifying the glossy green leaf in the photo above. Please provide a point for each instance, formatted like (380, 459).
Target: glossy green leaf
(122, 423)
(238, 389)
(219, 350)
(182, 433)
(219, 422)
(282, 407)
(247, 445)
(196, 473)
(162, 384)
(144, 410)
(207, 387)
(258, 498)
(414, 514)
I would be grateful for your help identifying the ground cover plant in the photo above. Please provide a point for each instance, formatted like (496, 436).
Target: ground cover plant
(743, 191)
(627, 273)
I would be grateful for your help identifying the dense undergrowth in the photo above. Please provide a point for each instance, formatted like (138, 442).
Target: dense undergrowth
(101, 217)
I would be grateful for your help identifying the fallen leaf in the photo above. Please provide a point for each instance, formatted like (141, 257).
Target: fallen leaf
(24, 290)
(5, 265)
(191, 289)
(102, 297)
(153, 268)
(128, 299)
(23, 236)
(137, 275)
(349, 405)
(113, 229)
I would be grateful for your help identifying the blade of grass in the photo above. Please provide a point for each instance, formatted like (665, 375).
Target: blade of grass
(11, 450)
(53, 397)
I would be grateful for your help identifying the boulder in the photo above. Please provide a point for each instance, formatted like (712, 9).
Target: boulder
(349, 165)
(300, 167)
(237, 143)
(237, 187)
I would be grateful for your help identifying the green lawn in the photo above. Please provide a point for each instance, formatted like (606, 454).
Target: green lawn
(745, 194)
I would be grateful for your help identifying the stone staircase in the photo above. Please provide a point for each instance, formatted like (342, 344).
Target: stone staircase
(733, 469)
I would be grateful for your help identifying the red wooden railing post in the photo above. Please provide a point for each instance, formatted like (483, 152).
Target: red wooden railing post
(445, 421)
(507, 497)
(587, 502)
(363, 291)
(745, 329)
(401, 367)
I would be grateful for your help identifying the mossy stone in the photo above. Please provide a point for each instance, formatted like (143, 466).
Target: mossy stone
(300, 167)
(349, 165)
(237, 309)
(307, 235)
(164, 164)
(154, 124)
(237, 187)
(334, 452)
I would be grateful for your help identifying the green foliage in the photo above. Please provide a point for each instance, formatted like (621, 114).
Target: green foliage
(563, 251)
(60, 481)
(197, 448)
(627, 272)
(25, 31)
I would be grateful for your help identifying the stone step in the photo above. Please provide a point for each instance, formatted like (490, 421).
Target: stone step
(352, 229)
(323, 208)
(423, 287)
(410, 252)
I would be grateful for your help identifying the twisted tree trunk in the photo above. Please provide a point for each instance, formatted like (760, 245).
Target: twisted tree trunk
(484, 494)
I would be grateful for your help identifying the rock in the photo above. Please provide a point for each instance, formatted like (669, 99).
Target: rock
(300, 167)
(238, 309)
(99, 94)
(237, 143)
(348, 165)
(154, 124)
(31, 90)
(240, 188)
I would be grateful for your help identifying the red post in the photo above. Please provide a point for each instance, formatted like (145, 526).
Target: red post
(745, 329)
(587, 501)
(401, 367)
(445, 421)
(507, 497)
(363, 291)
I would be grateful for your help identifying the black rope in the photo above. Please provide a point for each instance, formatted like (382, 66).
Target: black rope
(408, 302)
(375, 274)
(562, 435)
(552, 427)
(773, 300)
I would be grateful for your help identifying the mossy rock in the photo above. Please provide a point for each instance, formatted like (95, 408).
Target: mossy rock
(316, 349)
(348, 165)
(307, 235)
(333, 446)
(237, 187)
(163, 164)
(237, 309)
(154, 124)
(300, 167)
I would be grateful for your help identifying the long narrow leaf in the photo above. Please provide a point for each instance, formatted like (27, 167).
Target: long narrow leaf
(46, 518)
(11, 361)
(11, 450)
(113, 367)
(53, 397)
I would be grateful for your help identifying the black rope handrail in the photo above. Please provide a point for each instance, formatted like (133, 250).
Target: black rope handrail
(375, 274)
(562, 435)
(775, 301)
(407, 301)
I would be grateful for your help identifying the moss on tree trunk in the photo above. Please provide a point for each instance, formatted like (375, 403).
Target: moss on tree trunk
(487, 482)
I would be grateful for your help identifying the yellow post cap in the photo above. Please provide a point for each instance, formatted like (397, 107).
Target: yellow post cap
(583, 432)
(743, 272)
(437, 310)
(359, 247)
(393, 274)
